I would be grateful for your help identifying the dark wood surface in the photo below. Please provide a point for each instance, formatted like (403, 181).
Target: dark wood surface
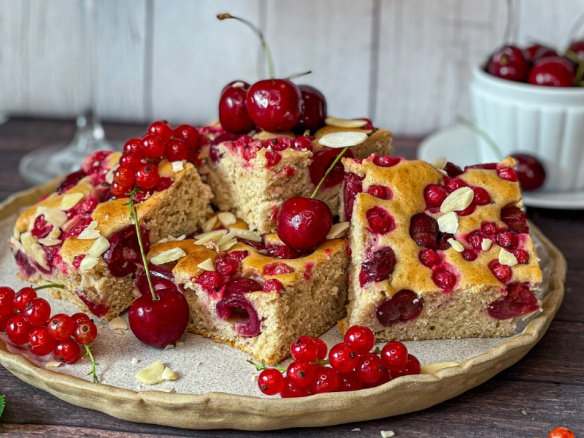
(543, 390)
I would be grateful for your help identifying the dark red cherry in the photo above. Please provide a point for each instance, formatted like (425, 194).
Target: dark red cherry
(518, 301)
(160, 276)
(233, 114)
(452, 170)
(124, 252)
(553, 71)
(240, 286)
(274, 104)
(424, 230)
(378, 267)
(303, 223)
(508, 63)
(537, 51)
(162, 322)
(241, 312)
(321, 161)
(353, 186)
(71, 180)
(515, 219)
(313, 109)
(530, 171)
(404, 306)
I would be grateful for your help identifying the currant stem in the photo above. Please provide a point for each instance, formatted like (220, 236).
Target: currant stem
(299, 75)
(134, 217)
(333, 164)
(478, 131)
(263, 366)
(259, 33)
(46, 286)
(93, 372)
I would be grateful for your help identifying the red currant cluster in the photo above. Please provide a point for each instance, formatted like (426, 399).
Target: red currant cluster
(353, 366)
(26, 319)
(139, 162)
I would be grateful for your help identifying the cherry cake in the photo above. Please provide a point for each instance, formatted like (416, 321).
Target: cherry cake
(252, 292)
(253, 175)
(436, 251)
(82, 237)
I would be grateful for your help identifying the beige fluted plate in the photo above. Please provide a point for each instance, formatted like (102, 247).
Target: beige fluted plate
(224, 411)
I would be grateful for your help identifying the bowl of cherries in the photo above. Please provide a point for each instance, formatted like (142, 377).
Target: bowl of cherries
(531, 100)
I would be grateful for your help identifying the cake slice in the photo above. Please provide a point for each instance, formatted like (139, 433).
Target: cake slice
(437, 254)
(250, 292)
(253, 175)
(83, 238)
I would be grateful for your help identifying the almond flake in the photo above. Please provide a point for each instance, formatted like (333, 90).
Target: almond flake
(55, 233)
(228, 245)
(165, 388)
(342, 139)
(180, 344)
(226, 218)
(458, 200)
(27, 240)
(117, 324)
(209, 225)
(209, 236)
(70, 200)
(225, 238)
(344, 123)
(38, 255)
(89, 232)
(507, 258)
(206, 265)
(53, 364)
(54, 216)
(440, 163)
(169, 374)
(109, 176)
(99, 247)
(245, 234)
(47, 241)
(387, 433)
(486, 244)
(135, 360)
(456, 246)
(448, 223)
(177, 166)
(337, 230)
(152, 374)
(88, 263)
(168, 256)
(169, 347)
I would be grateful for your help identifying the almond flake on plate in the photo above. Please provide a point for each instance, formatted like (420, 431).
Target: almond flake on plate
(117, 324)
(448, 223)
(100, 246)
(507, 258)
(209, 236)
(177, 166)
(458, 200)
(345, 123)
(245, 234)
(337, 230)
(53, 364)
(70, 200)
(168, 256)
(206, 265)
(342, 139)
(387, 433)
(226, 218)
(152, 374)
(437, 366)
(169, 374)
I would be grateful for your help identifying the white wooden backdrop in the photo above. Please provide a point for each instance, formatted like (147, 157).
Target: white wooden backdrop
(405, 63)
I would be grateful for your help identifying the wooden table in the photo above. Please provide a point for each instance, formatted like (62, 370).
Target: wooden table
(544, 390)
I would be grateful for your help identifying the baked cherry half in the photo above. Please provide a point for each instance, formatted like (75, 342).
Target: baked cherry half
(404, 306)
(378, 267)
(274, 104)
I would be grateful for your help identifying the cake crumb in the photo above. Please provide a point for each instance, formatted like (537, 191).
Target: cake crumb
(169, 347)
(387, 433)
(254, 378)
(53, 364)
(135, 360)
(180, 344)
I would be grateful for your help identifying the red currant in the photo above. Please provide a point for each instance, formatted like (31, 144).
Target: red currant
(67, 351)
(322, 348)
(291, 390)
(37, 312)
(412, 367)
(302, 143)
(325, 379)
(120, 191)
(152, 146)
(17, 329)
(304, 349)
(61, 327)
(271, 381)
(147, 177)
(6, 300)
(177, 150)
(23, 297)
(133, 146)
(188, 134)
(300, 373)
(3, 321)
(161, 129)
(40, 341)
(369, 368)
(343, 358)
(130, 161)
(360, 338)
(79, 317)
(85, 332)
(125, 176)
(350, 382)
(394, 356)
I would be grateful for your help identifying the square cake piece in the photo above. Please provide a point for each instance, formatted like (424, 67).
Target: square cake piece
(84, 239)
(253, 176)
(245, 290)
(437, 254)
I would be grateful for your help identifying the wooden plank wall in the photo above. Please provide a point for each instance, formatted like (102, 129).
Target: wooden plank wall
(405, 63)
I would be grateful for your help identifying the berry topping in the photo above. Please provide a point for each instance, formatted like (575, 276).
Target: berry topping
(378, 267)
(303, 223)
(277, 269)
(71, 180)
(515, 219)
(272, 158)
(434, 195)
(428, 257)
(381, 192)
(124, 252)
(237, 310)
(273, 285)
(444, 279)
(404, 306)
(353, 185)
(507, 173)
(302, 143)
(424, 230)
(212, 283)
(321, 161)
(503, 273)
(385, 161)
(379, 220)
(518, 301)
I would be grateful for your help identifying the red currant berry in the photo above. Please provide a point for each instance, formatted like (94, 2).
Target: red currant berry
(177, 150)
(274, 104)
(152, 147)
(40, 341)
(434, 195)
(304, 349)
(85, 332)
(23, 297)
(325, 379)
(428, 257)
(133, 146)
(188, 134)
(273, 285)
(394, 356)
(350, 382)
(17, 329)
(3, 321)
(120, 191)
(161, 129)
(37, 312)
(412, 367)
(291, 390)
(369, 368)
(322, 348)
(6, 300)
(300, 373)
(303, 223)
(481, 196)
(147, 177)
(67, 351)
(79, 317)
(271, 381)
(124, 176)
(343, 358)
(561, 432)
(61, 327)
(130, 161)
(385, 377)
(360, 338)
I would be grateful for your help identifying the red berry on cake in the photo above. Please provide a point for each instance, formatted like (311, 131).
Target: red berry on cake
(303, 223)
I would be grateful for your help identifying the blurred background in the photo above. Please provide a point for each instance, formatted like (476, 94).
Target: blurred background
(405, 64)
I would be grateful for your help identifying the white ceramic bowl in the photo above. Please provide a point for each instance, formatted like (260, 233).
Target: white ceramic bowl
(543, 121)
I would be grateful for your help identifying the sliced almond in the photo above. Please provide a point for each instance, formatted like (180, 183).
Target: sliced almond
(152, 374)
(47, 241)
(344, 123)
(16, 234)
(387, 434)
(53, 364)
(89, 232)
(70, 200)
(342, 139)
(168, 256)
(99, 247)
(440, 163)
(225, 238)
(109, 176)
(448, 223)
(207, 265)
(27, 240)
(456, 246)
(169, 374)
(507, 258)
(117, 324)
(177, 166)
(209, 236)
(486, 244)
(88, 263)
(437, 366)
(337, 230)
(264, 135)
(458, 200)
(226, 218)
(210, 224)
(55, 233)
(55, 217)
(39, 255)
(228, 245)
(245, 234)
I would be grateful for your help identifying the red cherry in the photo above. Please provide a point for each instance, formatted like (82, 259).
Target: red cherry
(507, 173)
(503, 273)
(147, 176)
(274, 104)
(188, 134)
(131, 161)
(71, 180)
(530, 171)
(424, 230)
(518, 301)
(271, 381)
(321, 161)
(404, 306)
(40, 341)
(313, 109)
(444, 279)
(325, 380)
(37, 312)
(378, 266)
(537, 51)
(67, 351)
(176, 150)
(7, 295)
(394, 356)
(481, 196)
(61, 327)
(381, 192)
(233, 114)
(515, 219)
(508, 63)
(434, 195)
(302, 143)
(272, 158)
(360, 338)
(133, 146)
(161, 129)
(152, 146)
(469, 255)
(552, 71)
(85, 332)
(161, 322)
(385, 161)
(304, 349)
(303, 223)
(124, 251)
(17, 329)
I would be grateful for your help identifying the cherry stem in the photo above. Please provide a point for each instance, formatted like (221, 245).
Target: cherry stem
(478, 131)
(259, 33)
(299, 75)
(93, 372)
(50, 285)
(333, 164)
(2, 403)
(134, 217)
(263, 366)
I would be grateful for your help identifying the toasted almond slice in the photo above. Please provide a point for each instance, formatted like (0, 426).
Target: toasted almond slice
(337, 230)
(507, 258)
(100, 246)
(207, 265)
(169, 374)
(70, 200)
(458, 200)
(440, 163)
(210, 224)
(344, 123)
(486, 244)
(109, 176)
(169, 347)
(225, 238)
(53, 364)
(342, 139)
(55, 233)
(168, 256)
(264, 135)
(89, 232)
(226, 218)
(166, 388)
(387, 434)
(54, 216)
(245, 234)
(47, 241)
(437, 366)
(228, 245)
(456, 245)
(177, 166)
(209, 236)
(117, 324)
(27, 240)
(152, 374)
(448, 223)
(88, 263)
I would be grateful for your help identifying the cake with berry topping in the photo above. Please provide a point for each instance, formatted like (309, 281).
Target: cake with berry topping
(252, 292)
(82, 236)
(253, 175)
(437, 253)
